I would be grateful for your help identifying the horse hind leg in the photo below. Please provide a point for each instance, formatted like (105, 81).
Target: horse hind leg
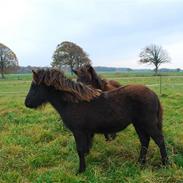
(144, 140)
(156, 133)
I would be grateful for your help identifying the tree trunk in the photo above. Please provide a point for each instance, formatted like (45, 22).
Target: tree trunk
(2, 68)
(156, 70)
(2, 75)
(2, 71)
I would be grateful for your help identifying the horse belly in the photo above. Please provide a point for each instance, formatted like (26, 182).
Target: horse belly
(106, 123)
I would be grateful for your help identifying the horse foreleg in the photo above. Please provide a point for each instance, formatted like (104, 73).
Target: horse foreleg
(89, 141)
(82, 149)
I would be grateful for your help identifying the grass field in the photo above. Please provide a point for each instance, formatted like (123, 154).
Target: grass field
(36, 147)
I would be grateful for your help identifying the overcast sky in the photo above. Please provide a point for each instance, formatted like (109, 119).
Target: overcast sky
(112, 32)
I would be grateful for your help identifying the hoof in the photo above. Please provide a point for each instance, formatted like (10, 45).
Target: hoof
(81, 170)
(165, 161)
(142, 161)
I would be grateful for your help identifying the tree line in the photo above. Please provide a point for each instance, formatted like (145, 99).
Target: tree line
(70, 55)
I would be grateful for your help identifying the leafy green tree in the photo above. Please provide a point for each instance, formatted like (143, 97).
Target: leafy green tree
(155, 55)
(8, 60)
(69, 54)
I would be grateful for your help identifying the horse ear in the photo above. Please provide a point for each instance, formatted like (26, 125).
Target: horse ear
(95, 77)
(92, 71)
(89, 67)
(34, 72)
(34, 75)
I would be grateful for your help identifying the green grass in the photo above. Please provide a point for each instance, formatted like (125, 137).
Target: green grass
(36, 147)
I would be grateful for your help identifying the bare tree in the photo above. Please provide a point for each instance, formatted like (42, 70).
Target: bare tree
(69, 54)
(154, 55)
(8, 60)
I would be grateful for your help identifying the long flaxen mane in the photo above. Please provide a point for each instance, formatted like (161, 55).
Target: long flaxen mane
(74, 91)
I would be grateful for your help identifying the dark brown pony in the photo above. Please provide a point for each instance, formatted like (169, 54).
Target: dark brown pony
(86, 111)
(87, 75)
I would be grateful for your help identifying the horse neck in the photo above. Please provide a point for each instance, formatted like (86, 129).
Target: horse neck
(55, 98)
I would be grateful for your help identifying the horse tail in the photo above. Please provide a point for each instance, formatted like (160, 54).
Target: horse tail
(160, 115)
